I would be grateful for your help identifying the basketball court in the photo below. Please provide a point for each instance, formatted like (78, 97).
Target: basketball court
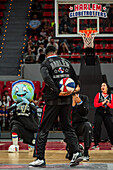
(55, 157)
(86, 18)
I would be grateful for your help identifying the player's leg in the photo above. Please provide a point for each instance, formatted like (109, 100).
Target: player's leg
(97, 130)
(15, 135)
(70, 136)
(48, 118)
(85, 130)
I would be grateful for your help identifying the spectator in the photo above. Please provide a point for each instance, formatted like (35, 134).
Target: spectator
(104, 103)
(7, 97)
(4, 104)
(80, 124)
(36, 8)
(41, 40)
(29, 57)
(45, 22)
(43, 32)
(65, 29)
(34, 26)
(30, 45)
(53, 43)
(64, 46)
(46, 41)
(66, 21)
(41, 56)
(41, 46)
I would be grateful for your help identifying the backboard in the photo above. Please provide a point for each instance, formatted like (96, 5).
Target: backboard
(83, 15)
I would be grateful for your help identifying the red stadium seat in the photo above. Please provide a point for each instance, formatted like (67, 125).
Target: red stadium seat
(49, 0)
(41, 90)
(37, 88)
(98, 46)
(2, 7)
(1, 85)
(64, 55)
(3, 1)
(101, 29)
(75, 55)
(99, 54)
(48, 6)
(1, 14)
(47, 14)
(108, 46)
(9, 83)
(59, 14)
(1, 22)
(75, 29)
(109, 29)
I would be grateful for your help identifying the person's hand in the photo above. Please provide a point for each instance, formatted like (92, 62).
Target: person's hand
(104, 102)
(76, 98)
(107, 101)
(25, 100)
(65, 93)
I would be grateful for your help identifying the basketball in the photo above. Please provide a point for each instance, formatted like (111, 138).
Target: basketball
(67, 84)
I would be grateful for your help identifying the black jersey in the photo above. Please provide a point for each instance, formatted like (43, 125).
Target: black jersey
(25, 115)
(53, 69)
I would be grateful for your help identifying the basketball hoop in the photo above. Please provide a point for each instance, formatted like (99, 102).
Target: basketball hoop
(88, 37)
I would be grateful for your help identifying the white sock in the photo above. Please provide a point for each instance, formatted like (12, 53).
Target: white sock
(15, 139)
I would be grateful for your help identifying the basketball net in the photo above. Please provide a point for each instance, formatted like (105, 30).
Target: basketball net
(88, 37)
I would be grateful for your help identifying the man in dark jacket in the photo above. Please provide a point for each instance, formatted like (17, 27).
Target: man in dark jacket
(57, 103)
(80, 106)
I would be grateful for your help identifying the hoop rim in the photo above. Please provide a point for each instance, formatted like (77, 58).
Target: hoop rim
(88, 31)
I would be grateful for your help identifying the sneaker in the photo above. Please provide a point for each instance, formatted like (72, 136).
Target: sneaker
(69, 52)
(86, 158)
(95, 147)
(38, 163)
(111, 147)
(76, 159)
(13, 148)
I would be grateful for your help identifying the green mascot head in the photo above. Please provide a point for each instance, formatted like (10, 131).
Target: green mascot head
(22, 88)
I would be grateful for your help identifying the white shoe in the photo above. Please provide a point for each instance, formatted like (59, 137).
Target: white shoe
(86, 158)
(38, 163)
(77, 157)
(13, 148)
(111, 147)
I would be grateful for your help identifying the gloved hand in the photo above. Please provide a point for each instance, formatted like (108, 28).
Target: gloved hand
(25, 100)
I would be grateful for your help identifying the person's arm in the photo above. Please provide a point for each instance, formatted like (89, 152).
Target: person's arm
(48, 80)
(83, 106)
(12, 107)
(96, 101)
(33, 107)
(111, 103)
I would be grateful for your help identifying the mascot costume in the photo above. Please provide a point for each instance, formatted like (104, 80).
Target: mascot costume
(24, 122)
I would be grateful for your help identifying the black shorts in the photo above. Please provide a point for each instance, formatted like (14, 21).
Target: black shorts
(23, 133)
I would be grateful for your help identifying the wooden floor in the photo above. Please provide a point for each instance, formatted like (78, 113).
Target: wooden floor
(53, 157)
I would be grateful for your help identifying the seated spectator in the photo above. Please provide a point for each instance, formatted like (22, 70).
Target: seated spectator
(34, 26)
(41, 40)
(45, 41)
(53, 43)
(66, 21)
(46, 22)
(65, 29)
(29, 57)
(41, 46)
(51, 35)
(43, 32)
(30, 45)
(36, 8)
(41, 56)
(64, 46)
(7, 97)
(4, 104)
